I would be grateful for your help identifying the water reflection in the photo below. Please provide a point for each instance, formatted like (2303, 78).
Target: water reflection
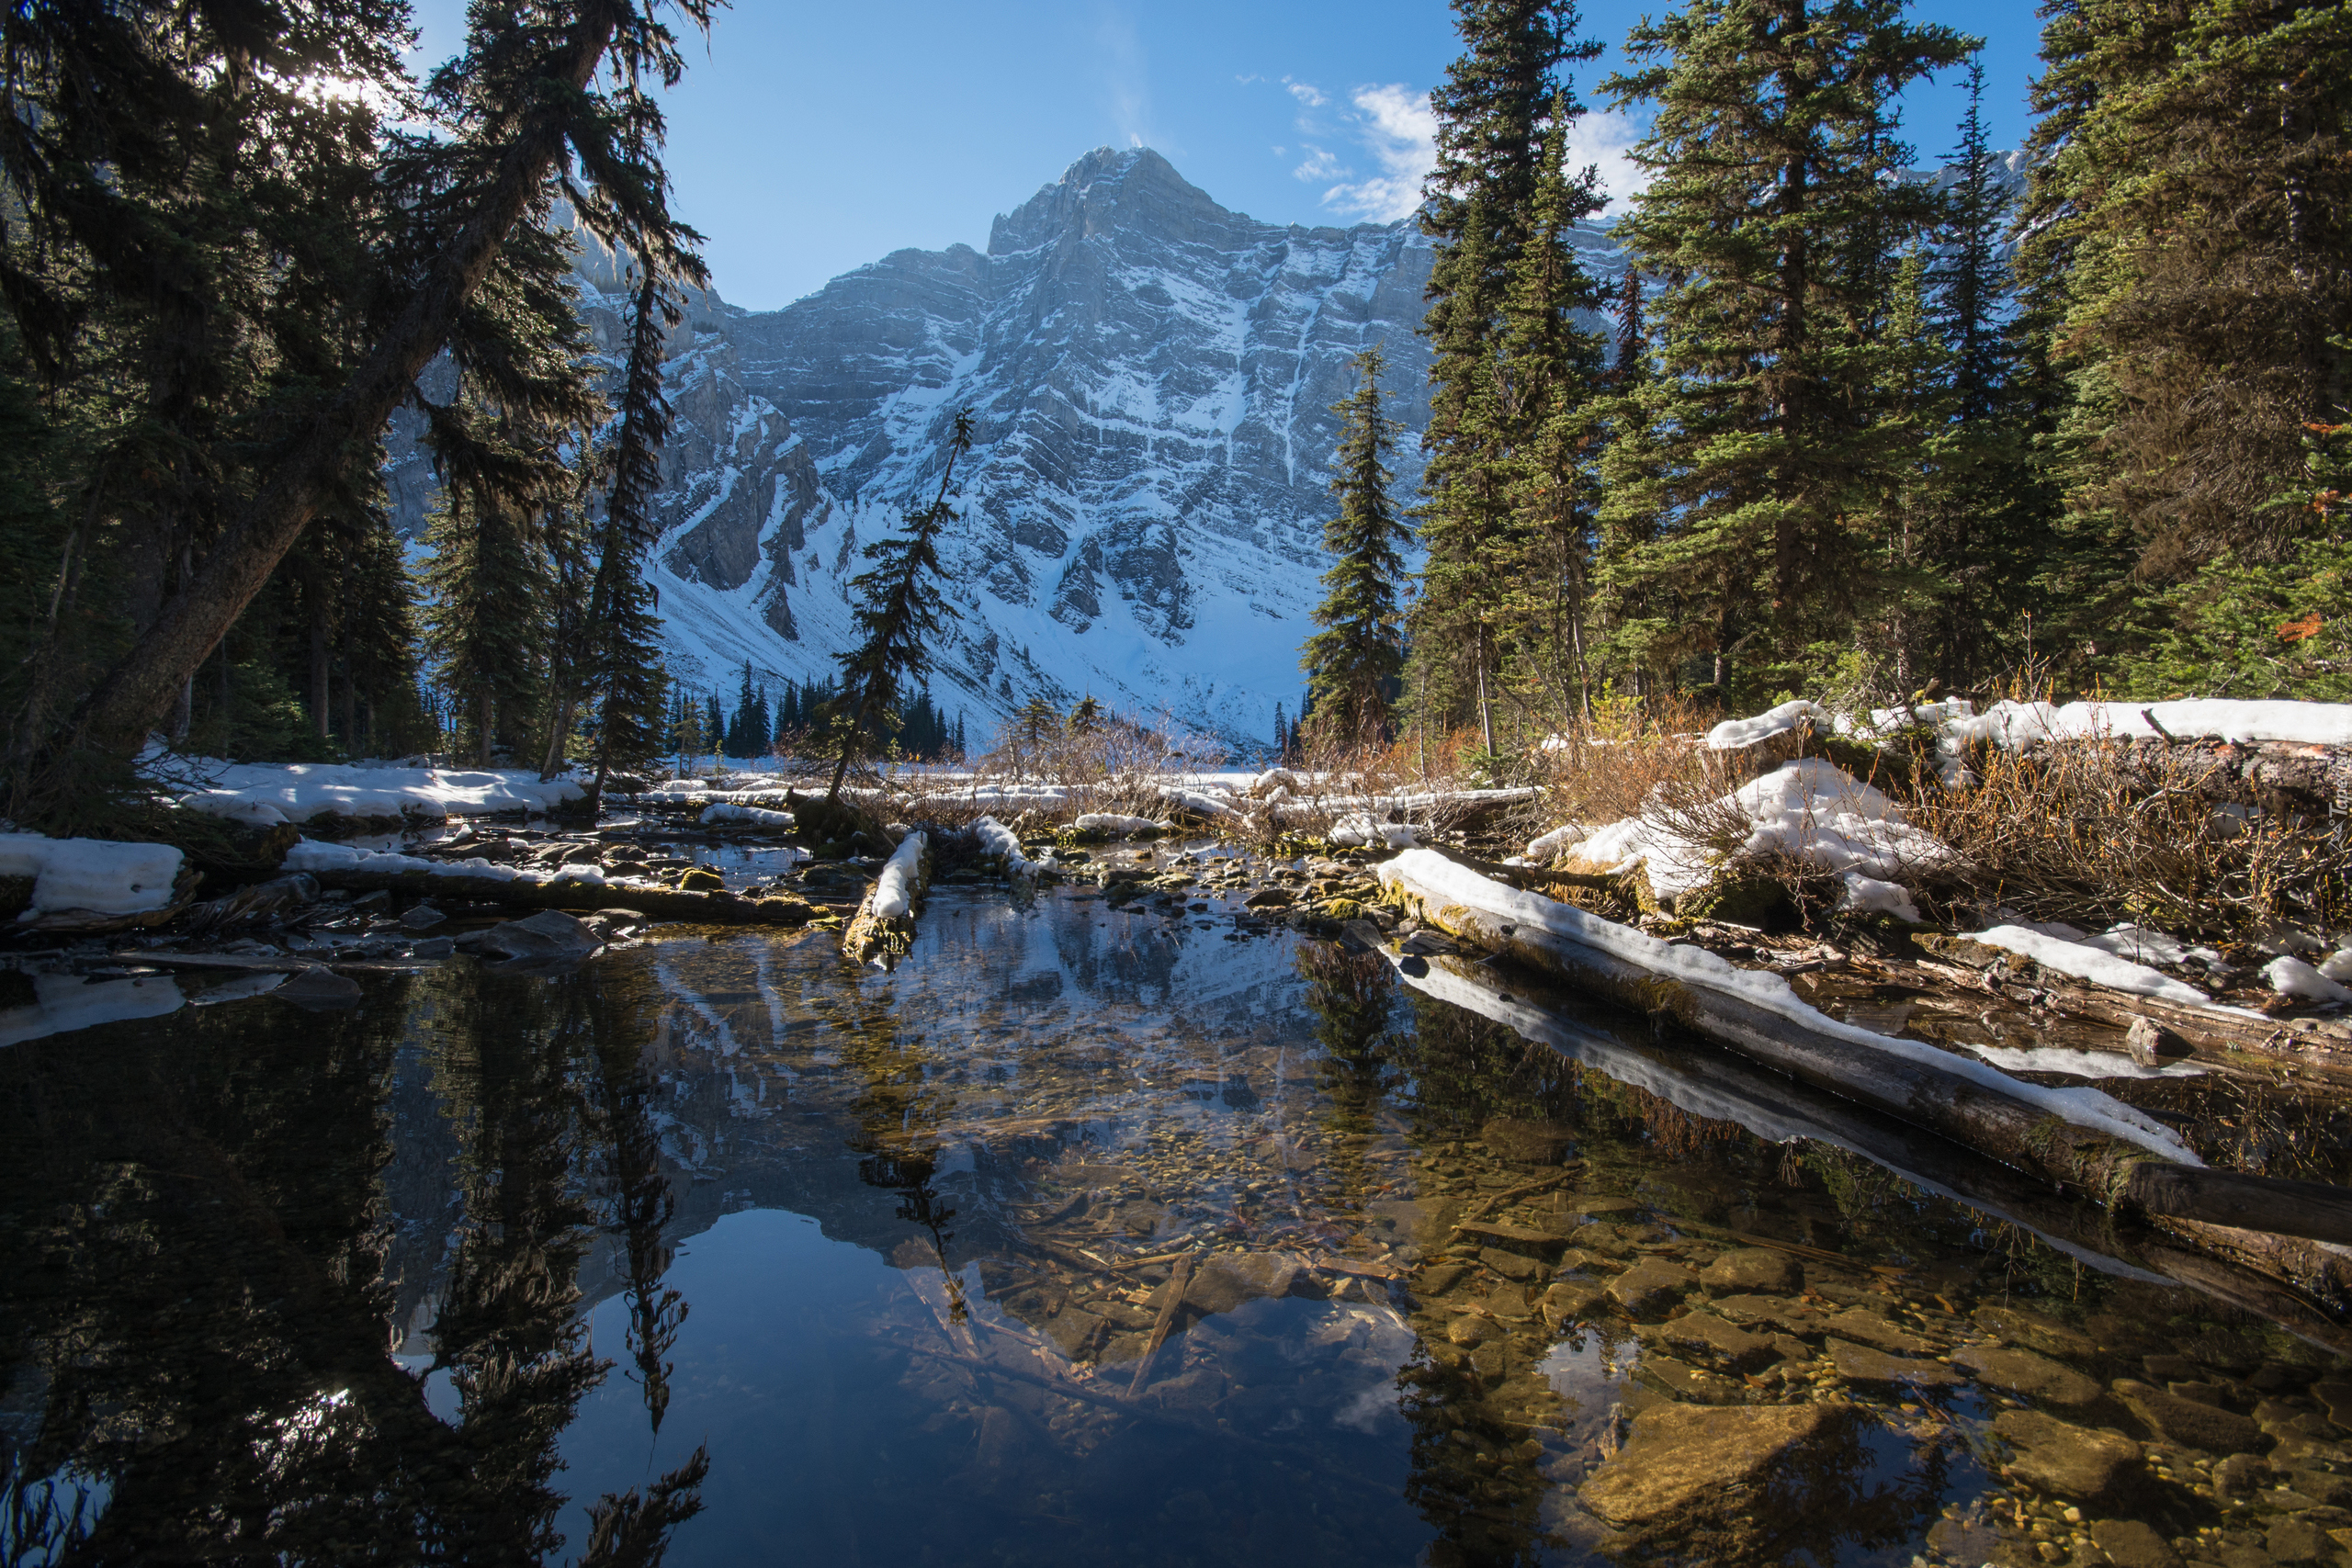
(1089, 1234)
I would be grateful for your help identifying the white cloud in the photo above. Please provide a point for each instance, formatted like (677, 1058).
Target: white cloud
(1319, 165)
(1309, 95)
(1606, 138)
(1400, 129)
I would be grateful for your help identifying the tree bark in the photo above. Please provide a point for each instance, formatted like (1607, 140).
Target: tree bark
(114, 717)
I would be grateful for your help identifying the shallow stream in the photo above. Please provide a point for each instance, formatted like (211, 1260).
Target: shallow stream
(1095, 1233)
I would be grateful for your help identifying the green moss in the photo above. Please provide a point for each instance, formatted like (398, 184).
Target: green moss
(1739, 900)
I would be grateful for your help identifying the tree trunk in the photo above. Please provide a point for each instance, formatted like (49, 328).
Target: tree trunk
(321, 669)
(114, 718)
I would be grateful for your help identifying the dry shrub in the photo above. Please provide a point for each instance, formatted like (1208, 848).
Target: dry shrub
(1633, 754)
(2082, 832)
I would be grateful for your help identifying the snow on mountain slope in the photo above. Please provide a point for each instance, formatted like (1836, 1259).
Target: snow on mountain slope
(1151, 376)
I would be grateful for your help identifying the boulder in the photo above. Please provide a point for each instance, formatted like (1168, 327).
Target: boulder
(1685, 1459)
(1750, 1268)
(2022, 1372)
(1569, 1301)
(2057, 1456)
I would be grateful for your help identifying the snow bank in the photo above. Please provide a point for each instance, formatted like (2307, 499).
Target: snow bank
(1199, 804)
(758, 816)
(1698, 967)
(998, 841)
(1735, 733)
(894, 890)
(1364, 829)
(1807, 809)
(2018, 725)
(2144, 945)
(266, 793)
(90, 876)
(2292, 978)
(62, 1003)
(1111, 825)
(2097, 965)
(1868, 895)
(1541, 850)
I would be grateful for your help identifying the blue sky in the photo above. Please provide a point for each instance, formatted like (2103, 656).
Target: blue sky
(810, 138)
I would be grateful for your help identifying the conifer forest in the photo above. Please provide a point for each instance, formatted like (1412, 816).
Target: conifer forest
(1873, 405)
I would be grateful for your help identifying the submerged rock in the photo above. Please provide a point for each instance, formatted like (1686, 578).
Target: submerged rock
(1689, 1460)
(1229, 1278)
(2022, 1372)
(2058, 1457)
(1859, 1363)
(2191, 1423)
(1650, 1287)
(1751, 1269)
(549, 934)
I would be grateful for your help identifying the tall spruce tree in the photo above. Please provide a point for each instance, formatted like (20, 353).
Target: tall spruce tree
(2197, 180)
(1774, 199)
(898, 606)
(1352, 664)
(1481, 212)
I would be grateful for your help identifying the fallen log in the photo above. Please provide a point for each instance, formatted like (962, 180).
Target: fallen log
(2264, 1273)
(886, 920)
(527, 892)
(2078, 1138)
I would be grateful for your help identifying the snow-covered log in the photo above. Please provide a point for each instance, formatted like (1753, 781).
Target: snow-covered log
(2079, 1137)
(572, 888)
(998, 842)
(86, 884)
(1111, 825)
(887, 916)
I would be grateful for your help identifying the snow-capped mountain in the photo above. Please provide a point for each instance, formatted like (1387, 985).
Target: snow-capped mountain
(1151, 376)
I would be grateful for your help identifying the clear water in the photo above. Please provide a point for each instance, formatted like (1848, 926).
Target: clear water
(850, 1268)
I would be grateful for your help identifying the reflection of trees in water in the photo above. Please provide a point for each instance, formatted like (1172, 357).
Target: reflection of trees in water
(1354, 998)
(641, 1204)
(190, 1288)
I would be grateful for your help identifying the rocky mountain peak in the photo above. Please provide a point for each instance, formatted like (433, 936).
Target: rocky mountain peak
(1107, 191)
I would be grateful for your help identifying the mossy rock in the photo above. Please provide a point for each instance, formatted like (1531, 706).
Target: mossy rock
(1853, 756)
(1736, 900)
(1345, 909)
(816, 819)
(15, 896)
(700, 881)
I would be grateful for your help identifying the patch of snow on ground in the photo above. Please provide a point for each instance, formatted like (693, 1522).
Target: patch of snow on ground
(95, 876)
(1733, 733)
(1807, 809)
(2097, 965)
(2142, 945)
(1362, 829)
(1868, 895)
(2018, 725)
(1541, 850)
(296, 792)
(2292, 978)
(2081, 1064)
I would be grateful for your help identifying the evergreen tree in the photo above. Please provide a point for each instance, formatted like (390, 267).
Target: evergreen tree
(714, 725)
(1774, 196)
(486, 627)
(1351, 665)
(301, 264)
(1086, 717)
(1557, 369)
(2195, 197)
(624, 669)
(1982, 533)
(897, 612)
(1492, 113)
